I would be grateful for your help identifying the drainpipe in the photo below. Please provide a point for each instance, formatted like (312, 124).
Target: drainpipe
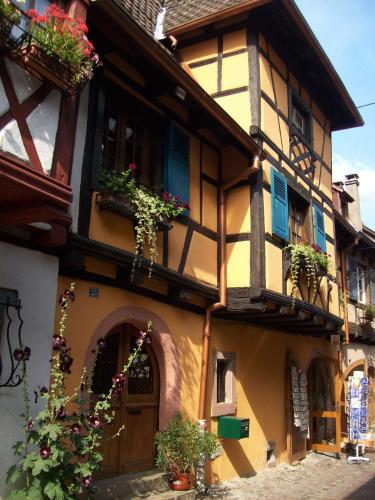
(223, 282)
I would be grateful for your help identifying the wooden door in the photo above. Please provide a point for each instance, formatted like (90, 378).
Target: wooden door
(324, 396)
(137, 407)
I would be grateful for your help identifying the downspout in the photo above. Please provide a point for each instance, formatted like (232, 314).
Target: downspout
(223, 281)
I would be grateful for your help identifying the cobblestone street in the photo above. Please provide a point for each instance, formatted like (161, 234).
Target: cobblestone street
(318, 476)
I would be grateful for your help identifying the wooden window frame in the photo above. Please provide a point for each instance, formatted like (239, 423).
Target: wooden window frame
(296, 103)
(153, 147)
(229, 406)
(297, 203)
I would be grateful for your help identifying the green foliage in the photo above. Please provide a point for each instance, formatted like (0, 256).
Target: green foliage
(181, 444)
(308, 260)
(10, 11)
(149, 209)
(369, 311)
(64, 454)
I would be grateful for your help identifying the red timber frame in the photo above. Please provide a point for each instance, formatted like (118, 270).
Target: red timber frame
(30, 195)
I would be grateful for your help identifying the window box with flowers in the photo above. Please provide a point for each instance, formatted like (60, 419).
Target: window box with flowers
(150, 212)
(305, 260)
(55, 48)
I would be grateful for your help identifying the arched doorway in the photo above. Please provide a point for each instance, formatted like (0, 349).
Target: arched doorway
(324, 386)
(137, 407)
(359, 365)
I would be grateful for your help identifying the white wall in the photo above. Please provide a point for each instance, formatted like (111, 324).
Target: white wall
(42, 121)
(34, 275)
(355, 352)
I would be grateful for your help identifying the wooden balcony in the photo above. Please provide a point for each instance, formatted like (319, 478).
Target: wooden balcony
(280, 312)
(33, 201)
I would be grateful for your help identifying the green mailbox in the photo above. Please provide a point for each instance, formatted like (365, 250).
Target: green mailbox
(233, 427)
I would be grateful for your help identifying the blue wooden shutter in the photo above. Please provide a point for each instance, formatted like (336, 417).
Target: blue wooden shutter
(176, 177)
(279, 191)
(353, 278)
(320, 232)
(372, 286)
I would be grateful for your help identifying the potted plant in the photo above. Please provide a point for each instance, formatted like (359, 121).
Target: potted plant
(59, 49)
(308, 260)
(180, 447)
(9, 16)
(369, 314)
(120, 193)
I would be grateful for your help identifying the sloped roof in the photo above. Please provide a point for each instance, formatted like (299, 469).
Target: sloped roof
(144, 12)
(181, 12)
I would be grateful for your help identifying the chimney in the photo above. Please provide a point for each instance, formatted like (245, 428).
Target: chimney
(354, 208)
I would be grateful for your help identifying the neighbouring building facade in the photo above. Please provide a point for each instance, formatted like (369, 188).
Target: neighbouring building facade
(37, 130)
(232, 109)
(355, 246)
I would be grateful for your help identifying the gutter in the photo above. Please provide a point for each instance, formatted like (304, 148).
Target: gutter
(206, 338)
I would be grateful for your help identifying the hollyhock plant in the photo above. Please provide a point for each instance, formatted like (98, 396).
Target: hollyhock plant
(65, 436)
(61, 36)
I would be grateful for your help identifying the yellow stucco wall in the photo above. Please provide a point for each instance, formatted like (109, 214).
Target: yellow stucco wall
(260, 385)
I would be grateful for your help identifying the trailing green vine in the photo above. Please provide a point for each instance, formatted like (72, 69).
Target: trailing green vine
(307, 259)
(150, 209)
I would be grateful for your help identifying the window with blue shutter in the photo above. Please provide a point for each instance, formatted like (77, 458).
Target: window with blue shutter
(176, 176)
(353, 278)
(279, 192)
(320, 232)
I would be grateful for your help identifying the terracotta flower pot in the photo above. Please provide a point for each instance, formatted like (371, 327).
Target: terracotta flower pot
(182, 483)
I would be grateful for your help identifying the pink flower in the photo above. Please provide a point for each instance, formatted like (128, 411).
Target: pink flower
(166, 197)
(132, 167)
(45, 452)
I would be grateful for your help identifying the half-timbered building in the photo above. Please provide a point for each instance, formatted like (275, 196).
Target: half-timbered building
(230, 106)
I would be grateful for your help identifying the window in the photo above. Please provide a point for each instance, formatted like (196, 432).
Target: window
(300, 117)
(224, 400)
(297, 216)
(357, 280)
(132, 133)
(361, 280)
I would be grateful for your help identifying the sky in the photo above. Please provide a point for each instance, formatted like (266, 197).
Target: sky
(346, 31)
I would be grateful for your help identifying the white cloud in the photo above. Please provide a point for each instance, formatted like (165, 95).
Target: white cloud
(343, 166)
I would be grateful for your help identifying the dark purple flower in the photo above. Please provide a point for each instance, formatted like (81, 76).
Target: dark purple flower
(86, 481)
(76, 428)
(69, 294)
(18, 354)
(132, 167)
(100, 343)
(45, 452)
(26, 353)
(66, 361)
(29, 425)
(62, 301)
(94, 421)
(166, 197)
(58, 342)
(43, 390)
(142, 337)
(61, 414)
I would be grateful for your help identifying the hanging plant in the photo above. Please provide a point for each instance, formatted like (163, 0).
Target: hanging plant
(309, 260)
(149, 210)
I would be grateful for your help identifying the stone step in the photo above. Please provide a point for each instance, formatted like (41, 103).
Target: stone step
(139, 485)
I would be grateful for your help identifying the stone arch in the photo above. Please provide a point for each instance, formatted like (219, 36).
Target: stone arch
(353, 366)
(165, 350)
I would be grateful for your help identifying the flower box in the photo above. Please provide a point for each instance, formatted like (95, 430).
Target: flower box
(46, 66)
(119, 204)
